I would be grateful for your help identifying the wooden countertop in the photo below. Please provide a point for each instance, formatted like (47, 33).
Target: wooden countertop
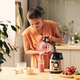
(68, 47)
(7, 74)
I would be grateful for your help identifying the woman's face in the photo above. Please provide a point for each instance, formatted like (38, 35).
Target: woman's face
(36, 23)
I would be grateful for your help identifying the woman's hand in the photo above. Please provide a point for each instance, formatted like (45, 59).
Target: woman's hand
(50, 38)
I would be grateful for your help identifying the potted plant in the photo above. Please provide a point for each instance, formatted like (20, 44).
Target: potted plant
(77, 37)
(5, 47)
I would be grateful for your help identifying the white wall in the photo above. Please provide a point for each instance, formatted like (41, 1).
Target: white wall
(7, 12)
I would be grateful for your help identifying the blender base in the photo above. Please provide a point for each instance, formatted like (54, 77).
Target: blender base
(55, 72)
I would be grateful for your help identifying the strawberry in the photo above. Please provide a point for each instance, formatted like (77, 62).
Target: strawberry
(66, 73)
(73, 71)
(69, 73)
(73, 67)
(68, 69)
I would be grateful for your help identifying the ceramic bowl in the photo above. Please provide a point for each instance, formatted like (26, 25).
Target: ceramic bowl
(28, 72)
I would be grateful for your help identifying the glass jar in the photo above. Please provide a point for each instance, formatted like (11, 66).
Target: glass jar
(41, 63)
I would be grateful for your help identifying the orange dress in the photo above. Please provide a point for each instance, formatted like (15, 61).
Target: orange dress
(33, 36)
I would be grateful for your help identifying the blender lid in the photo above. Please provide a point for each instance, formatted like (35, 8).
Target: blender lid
(56, 56)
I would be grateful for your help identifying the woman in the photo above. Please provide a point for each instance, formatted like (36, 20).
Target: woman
(35, 33)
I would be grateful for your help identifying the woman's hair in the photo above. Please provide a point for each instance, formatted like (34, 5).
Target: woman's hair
(33, 13)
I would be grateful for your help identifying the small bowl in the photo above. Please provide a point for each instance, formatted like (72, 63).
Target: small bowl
(16, 71)
(28, 72)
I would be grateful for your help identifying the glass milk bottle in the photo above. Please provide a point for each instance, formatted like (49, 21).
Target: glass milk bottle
(41, 63)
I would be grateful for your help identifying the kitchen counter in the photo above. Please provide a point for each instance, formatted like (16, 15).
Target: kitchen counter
(7, 74)
(68, 47)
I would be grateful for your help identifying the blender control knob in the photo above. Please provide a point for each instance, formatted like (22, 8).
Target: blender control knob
(55, 64)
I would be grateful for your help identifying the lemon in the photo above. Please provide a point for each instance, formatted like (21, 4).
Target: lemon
(25, 68)
(28, 68)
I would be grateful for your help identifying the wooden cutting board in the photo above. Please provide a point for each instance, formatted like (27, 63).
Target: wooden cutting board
(66, 76)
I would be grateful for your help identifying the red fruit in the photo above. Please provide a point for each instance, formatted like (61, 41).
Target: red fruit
(66, 73)
(73, 71)
(69, 73)
(68, 69)
(73, 67)
(62, 72)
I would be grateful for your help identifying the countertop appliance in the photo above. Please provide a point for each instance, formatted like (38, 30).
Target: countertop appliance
(56, 60)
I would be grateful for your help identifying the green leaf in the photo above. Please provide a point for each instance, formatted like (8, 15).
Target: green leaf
(7, 49)
(1, 62)
(21, 13)
(2, 24)
(0, 31)
(10, 46)
(0, 43)
(4, 28)
(40, 8)
(3, 50)
(6, 25)
(13, 28)
(1, 57)
(8, 21)
(15, 49)
(18, 27)
(76, 37)
(5, 34)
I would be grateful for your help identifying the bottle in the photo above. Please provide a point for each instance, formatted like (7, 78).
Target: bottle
(41, 63)
(72, 39)
(69, 40)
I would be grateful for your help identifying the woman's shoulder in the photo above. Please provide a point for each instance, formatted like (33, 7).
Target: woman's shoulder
(26, 31)
(49, 21)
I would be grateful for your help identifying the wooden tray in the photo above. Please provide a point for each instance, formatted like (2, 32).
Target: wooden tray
(66, 76)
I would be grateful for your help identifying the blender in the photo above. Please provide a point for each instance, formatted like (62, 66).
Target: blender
(56, 60)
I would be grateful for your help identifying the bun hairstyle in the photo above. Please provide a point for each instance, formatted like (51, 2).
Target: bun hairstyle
(34, 13)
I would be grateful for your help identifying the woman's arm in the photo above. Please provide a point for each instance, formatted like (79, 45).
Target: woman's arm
(27, 47)
(57, 38)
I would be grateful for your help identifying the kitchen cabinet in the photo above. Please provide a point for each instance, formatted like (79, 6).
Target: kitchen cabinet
(75, 59)
(70, 58)
(71, 55)
(66, 58)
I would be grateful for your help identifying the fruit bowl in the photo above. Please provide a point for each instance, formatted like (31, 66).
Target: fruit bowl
(28, 70)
